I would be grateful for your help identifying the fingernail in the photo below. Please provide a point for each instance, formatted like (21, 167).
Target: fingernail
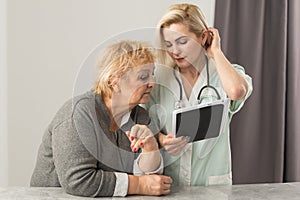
(187, 138)
(141, 143)
(134, 149)
(131, 138)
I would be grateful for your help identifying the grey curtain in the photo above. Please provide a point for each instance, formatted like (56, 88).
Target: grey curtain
(263, 36)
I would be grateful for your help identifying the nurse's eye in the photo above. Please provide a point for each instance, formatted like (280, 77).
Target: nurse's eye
(168, 44)
(183, 41)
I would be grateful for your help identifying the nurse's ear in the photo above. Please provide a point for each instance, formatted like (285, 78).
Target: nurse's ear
(206, 38)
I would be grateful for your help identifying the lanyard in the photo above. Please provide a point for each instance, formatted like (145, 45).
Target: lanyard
(179, 103)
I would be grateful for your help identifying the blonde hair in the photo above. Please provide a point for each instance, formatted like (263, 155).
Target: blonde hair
(119, 58)
(187, 14)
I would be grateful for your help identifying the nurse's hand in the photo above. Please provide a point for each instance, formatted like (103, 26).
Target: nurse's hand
(174, 146)
(215, 46)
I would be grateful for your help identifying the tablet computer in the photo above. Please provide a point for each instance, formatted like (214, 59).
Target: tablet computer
(201, 121)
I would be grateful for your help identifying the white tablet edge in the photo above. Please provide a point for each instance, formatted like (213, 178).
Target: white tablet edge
(225, 102)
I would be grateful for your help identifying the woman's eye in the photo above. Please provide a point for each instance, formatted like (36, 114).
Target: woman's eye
(144, 77)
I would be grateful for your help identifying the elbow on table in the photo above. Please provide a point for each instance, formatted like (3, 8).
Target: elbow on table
(78, 190)
(87, 180)
(81, 187)
(86, 191)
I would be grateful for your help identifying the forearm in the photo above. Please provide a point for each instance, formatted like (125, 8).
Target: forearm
(234, 84)
(150, 161)
(78, 175)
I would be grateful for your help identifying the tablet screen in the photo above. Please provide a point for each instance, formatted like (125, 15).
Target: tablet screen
(200, 123)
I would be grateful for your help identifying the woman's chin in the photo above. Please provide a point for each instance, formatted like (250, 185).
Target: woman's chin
(144, 100)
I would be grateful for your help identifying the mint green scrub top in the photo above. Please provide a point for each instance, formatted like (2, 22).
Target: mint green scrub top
(205, 162)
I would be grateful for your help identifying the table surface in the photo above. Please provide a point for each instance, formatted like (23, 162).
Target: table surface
(275, 191)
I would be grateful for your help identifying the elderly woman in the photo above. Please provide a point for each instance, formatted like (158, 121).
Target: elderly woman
(102, 143)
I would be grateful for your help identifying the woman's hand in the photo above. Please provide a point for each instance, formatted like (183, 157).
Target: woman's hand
(149, 184)
(174, 146)
(142, 137)
(150, 158)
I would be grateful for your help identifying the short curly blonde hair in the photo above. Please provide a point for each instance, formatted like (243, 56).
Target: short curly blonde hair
(119, 58)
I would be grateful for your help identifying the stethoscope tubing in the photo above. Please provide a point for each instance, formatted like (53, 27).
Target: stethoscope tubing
(201, 90)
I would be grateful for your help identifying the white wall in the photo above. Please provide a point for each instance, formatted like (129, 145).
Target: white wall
(47, 42)
(3, 96)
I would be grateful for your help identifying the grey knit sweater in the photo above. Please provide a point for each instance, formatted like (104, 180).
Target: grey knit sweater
(80, 154)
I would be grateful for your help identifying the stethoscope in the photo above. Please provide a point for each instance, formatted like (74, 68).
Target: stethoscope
(179, 103)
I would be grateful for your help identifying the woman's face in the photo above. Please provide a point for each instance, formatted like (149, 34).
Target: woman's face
(137, 84)
(182, 45)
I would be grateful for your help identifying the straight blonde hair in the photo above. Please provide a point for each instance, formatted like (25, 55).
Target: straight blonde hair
(187, 14)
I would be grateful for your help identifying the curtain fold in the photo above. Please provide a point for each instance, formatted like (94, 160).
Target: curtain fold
(292, 164)
(261, 35)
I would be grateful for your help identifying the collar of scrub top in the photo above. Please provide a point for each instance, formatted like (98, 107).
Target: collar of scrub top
(179, 103)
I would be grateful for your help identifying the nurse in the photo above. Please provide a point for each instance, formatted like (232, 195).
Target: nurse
(187, 49)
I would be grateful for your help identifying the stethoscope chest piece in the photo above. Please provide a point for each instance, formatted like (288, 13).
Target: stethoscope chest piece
(179, 104)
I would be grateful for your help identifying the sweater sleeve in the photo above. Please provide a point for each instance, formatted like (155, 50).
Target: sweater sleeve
(138, 172)
(76, 167)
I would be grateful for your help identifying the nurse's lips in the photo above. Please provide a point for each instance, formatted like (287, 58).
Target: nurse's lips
(179, 59)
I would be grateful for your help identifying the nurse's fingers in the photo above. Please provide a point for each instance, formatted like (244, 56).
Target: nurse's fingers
(174, 151)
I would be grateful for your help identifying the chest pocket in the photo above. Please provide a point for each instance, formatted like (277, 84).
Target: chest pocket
(204, 147)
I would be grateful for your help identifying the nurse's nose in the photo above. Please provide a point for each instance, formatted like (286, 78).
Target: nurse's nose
(176, 50)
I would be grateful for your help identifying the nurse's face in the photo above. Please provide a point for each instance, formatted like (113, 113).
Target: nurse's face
(137, 84)
(182, 45)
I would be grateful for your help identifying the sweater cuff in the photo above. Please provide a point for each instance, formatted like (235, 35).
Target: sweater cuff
(121, 187)
(138, 172)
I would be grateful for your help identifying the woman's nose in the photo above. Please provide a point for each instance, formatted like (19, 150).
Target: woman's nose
(151, 82)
